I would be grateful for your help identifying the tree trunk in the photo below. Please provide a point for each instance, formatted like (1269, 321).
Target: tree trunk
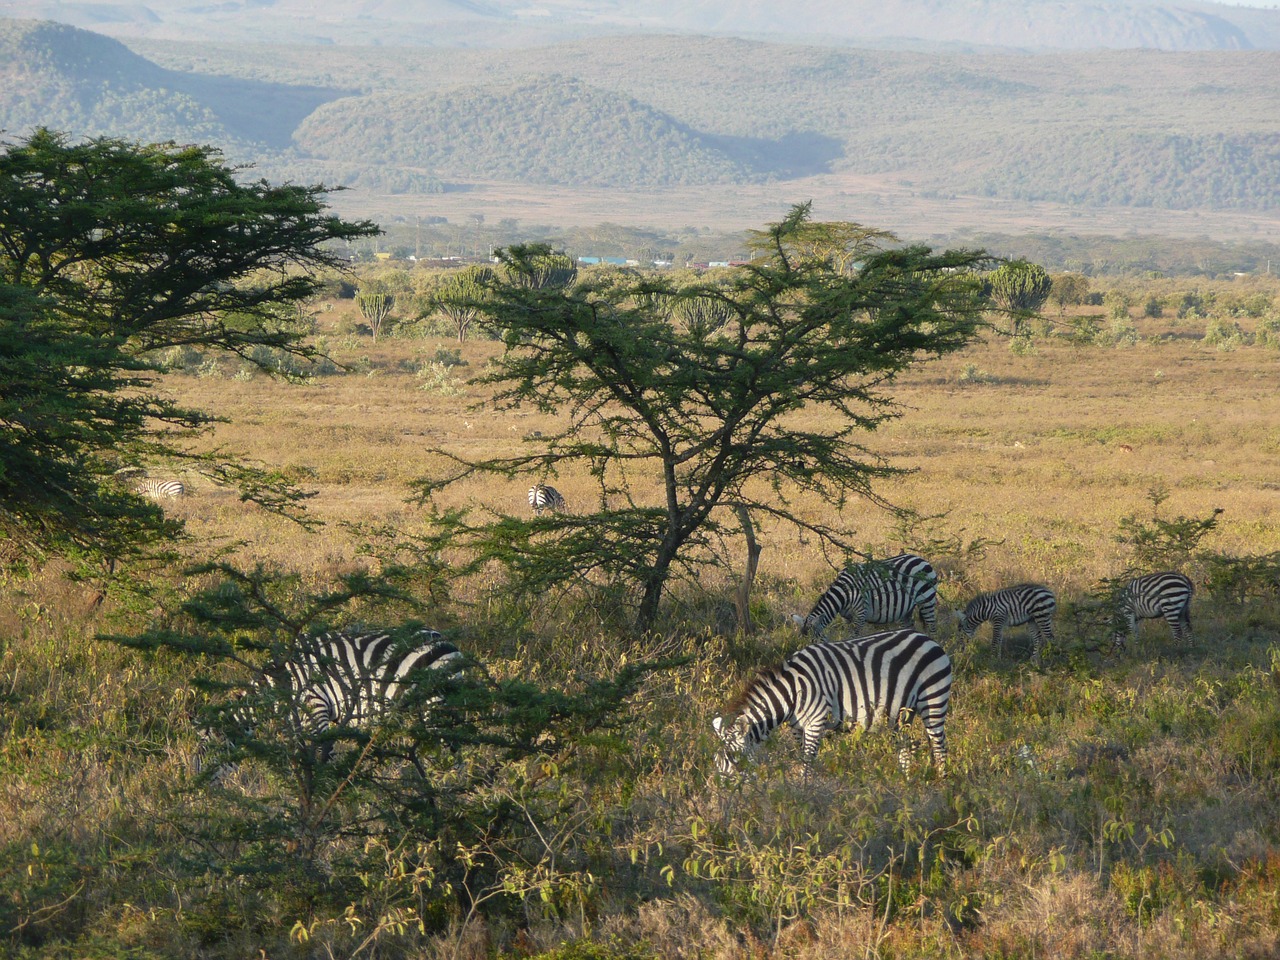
(655, 583)
(743, 598)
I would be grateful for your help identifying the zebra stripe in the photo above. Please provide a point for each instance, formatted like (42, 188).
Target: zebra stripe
(543, 497)
(1012, 607)
(342, 679)
(1165, 595)
(887, 677)
(879, 591)
(160, 489)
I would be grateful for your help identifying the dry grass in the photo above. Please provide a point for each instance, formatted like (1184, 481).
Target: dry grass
(1044, 452)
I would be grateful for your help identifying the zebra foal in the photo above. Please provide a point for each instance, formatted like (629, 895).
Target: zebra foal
(160, 489)
(878, 591)
(543, 497)
(1166, 595)
(886, 677)
(1012, 607)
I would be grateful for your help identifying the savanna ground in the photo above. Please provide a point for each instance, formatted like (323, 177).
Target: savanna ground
(1102, 806)
(892, 202)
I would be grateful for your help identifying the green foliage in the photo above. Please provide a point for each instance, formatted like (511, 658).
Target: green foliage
(1160, 544)
(1020, 288)
(1238, 579)
(1267, 332)
(438, 802)
(1068, 289)
(704, 410)
(1226, 335)
(461, 297)
(111, 256)
(73, 407)
(375, 306)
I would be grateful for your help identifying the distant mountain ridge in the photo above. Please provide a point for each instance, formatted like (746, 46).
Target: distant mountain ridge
(1023, 24)
(1127, 129)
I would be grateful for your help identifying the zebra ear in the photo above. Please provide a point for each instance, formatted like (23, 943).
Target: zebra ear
(797, 620)
(717, 724)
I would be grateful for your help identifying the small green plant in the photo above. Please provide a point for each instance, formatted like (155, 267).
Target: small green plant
(450, 357)
(1121, 333)
(972, 374)
(436, 378)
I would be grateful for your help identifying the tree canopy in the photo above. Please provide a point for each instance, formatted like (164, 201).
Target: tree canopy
(691, 384)
(109, 252)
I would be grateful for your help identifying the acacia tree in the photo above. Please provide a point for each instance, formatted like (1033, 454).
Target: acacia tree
(109, 252)
(704, 408)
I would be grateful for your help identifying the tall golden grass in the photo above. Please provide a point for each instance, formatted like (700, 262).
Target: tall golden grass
(1100, 807)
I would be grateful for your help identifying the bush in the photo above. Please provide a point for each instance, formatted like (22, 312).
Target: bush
(1225, 334)
(1267, 333)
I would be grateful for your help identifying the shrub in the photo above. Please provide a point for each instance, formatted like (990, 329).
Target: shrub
(1225, 334)
(1267, 333)
(436, 379)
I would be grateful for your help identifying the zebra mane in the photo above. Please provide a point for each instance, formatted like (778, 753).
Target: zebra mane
(735, 706)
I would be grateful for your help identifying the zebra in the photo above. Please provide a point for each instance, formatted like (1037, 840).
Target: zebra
(1165, 595)
(879, 591)
(1012, 607)
(346, 679)
(160, 489)
(543, 497)
(886, 677)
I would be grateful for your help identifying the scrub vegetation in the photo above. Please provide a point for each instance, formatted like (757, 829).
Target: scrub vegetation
(1098, 806)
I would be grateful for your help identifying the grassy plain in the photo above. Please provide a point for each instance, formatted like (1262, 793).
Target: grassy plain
(1099, 807)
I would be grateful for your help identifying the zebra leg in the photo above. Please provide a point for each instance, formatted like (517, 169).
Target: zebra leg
(929, 617)
(1043, 632)
(1182, 628)
(997, 636)
(812, 738)
(908, 745)
(937, 746)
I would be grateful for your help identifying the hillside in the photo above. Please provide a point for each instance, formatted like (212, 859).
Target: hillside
(1025, 24)
(548, 130)
(1109, 130)
(87, 84)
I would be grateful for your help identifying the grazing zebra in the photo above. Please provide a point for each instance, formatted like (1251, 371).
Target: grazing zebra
(879, 591)
(1165, 595)
(1012, 607)
(342, 679)
(160, 489)
(886, 677)
(543, 497)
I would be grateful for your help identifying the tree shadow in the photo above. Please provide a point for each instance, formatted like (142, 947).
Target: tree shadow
(800, 154)
(255, 110)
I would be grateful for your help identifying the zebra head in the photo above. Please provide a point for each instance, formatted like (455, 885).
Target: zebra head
(966, 623)
(733, 743)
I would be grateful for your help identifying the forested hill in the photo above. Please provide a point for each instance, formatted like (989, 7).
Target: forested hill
(552, 129)
(89, 85)
(1133, 128)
